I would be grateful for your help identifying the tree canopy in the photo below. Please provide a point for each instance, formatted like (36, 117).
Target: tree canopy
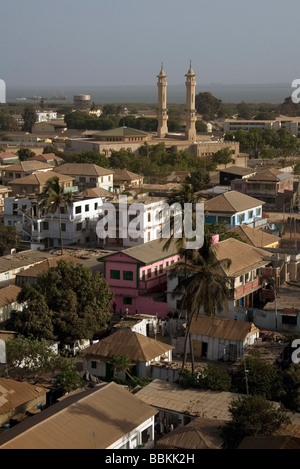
(68, 301)
(9, 238)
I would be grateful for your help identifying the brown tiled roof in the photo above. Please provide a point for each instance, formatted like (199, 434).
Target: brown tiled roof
(14, 393)
(40, 178)
(9, 295)
(243, 256)
(22, 259)
(254, 236)
(83, 169)
(222, 328)
(92, 419)
(8, 155)
(231, 202)
(46, 265)
(137, 347)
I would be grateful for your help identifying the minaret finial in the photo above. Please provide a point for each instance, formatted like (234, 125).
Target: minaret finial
(162, 66)
(190, 63)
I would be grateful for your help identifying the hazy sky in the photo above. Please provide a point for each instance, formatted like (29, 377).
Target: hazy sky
(123, 42)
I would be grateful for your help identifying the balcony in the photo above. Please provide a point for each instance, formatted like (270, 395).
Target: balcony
(249, 287)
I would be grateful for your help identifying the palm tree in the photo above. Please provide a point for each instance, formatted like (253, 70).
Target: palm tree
(53, 198)
(178, 197)
(204, 284)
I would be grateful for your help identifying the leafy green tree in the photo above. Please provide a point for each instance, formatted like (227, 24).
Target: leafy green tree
(32, 354)
(7, 122)
(67, 381)
(221, 229)
(79, 300)
(54, 199)
(257, 377)
(223, 156)
(244, 110)
(198, 179)
(252, 416)
(29, 117)
(207, 105)
(53, 149)
(201, 126)
(121, 363)
(35, 319)
(9, 238)
(25, 153)
(291, 388)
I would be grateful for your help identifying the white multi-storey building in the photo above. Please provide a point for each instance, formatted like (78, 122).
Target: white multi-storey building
(41, 230)
(146, 213)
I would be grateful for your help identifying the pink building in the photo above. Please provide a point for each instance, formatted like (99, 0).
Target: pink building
(137, 277)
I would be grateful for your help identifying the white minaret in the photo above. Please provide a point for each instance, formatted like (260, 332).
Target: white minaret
(190, 111)
(2, 91)
(162, 115)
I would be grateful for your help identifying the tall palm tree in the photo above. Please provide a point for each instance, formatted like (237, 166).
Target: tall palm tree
(178, 197)
(204, 284)
(54, 199)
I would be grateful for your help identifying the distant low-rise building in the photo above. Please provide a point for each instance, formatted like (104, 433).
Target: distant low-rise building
(8, 301)
(35, 182)
(23, 169)
(88, 175)
(272, 186)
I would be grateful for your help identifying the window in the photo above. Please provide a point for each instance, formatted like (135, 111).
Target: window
(148, 273)
(93, 364)
(161, 268)
(115, 274)
(79, 226)
(45, 225)
(78, 209)
(149, 217)
(155, 271)
(95, 205)
(289, 319)
(127, 275)
(93, 180)
(63, 227)
(127, 300)
(143, 275)
(87, 208)
(82, 179)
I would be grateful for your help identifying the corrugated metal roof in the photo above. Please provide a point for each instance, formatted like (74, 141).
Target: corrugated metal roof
(222, 328)
(14, 393)
(231, 202)
(9, 295)
(82, 169)
(201, 433)
(197, 403)
(94, 419)
(243, 256)
(150, 252)
(137, 347)
(46, 265)
(255, 236)
(22, 259)
(40, 178)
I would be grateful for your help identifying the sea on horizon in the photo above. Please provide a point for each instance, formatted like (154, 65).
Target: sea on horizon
(176, 94)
